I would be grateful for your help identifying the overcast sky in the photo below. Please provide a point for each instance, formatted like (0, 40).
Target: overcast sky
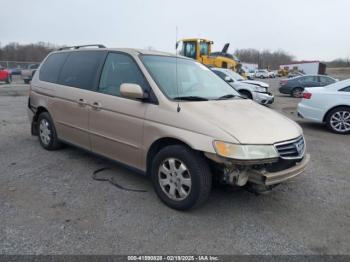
(308, 29)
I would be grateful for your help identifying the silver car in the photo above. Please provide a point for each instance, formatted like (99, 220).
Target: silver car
(255, 90)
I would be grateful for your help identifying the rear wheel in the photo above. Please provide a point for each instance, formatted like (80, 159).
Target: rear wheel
(338, 120)
(181, 177)
(26, 81)
(47, 132)
(297, 92)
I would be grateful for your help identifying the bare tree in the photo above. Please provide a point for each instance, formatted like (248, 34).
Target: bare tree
(265, 58)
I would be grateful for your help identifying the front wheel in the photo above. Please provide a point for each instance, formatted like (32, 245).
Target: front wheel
(338, 120)
(181, 177)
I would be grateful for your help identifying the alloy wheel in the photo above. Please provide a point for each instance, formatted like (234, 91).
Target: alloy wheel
(175, 179)
(340, 121)
(45, 132)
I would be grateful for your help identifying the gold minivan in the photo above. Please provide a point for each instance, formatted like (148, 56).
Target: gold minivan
(167, 116)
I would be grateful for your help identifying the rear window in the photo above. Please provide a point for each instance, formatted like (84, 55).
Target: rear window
(81, 69)
(51, 67)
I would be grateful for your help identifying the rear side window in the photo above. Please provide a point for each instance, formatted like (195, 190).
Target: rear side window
(81, 69)
(346, 89)
(51, 68)
(119, 69)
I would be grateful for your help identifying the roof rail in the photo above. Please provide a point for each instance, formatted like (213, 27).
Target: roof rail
(79, 46)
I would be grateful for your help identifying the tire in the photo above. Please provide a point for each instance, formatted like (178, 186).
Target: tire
(261, 77)
(246, 94)
(47, 132)
(8, 80)
(332, 122)
(26, 81)
(297, 92)
(195, 174)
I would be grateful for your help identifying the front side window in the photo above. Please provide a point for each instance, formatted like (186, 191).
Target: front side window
(81, 69)
(189, 49)
(120, 69)
(178, 78)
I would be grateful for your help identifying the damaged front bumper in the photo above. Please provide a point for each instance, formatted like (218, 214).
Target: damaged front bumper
(271, 178)
(239, 173)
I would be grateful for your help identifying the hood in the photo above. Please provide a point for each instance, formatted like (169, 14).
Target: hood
(245, 120)
(258, 83)
(241, 85)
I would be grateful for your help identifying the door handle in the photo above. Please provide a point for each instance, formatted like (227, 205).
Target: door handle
(96, 106)
(82, 102)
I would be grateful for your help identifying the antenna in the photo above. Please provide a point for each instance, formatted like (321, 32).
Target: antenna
(176, 80)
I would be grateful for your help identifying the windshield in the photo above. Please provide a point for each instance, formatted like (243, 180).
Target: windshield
(193, 79)
(234, 75)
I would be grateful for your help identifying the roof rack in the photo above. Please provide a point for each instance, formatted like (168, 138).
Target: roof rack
(79, 46)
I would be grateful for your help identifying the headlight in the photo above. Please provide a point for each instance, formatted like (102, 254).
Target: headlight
(261, 89)
(245, 152)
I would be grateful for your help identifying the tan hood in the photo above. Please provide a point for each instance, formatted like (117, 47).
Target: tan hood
(245, 120)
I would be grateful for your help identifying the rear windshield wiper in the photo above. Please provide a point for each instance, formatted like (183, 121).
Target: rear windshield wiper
(191, 98)
(227, 97)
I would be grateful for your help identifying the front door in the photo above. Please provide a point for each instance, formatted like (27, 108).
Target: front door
(116, 123)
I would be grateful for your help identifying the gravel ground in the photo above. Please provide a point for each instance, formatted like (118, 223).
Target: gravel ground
(50, 204)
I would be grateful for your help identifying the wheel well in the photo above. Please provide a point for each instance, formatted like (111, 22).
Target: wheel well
(158, 145)
(244, 91)
(297, 87)
(39, 110)
(326, 114)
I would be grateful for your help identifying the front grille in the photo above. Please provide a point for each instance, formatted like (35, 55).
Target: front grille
(291, 149)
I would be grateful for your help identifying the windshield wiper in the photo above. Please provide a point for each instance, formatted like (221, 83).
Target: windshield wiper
(227, 97)
(191, 98)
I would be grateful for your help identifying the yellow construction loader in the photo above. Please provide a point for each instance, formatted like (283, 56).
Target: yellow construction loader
(200, 50)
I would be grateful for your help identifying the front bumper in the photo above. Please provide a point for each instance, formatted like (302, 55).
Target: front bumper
(263, 98)
(272, 178)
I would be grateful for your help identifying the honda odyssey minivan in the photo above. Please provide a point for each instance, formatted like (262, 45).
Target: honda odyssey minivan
(167, 116)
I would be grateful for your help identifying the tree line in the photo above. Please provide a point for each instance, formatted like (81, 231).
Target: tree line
(265, 59)
(25, 53)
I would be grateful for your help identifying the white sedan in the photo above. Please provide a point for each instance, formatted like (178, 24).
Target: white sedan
(329, 104)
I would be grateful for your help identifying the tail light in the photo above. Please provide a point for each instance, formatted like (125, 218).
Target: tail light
(307, 95)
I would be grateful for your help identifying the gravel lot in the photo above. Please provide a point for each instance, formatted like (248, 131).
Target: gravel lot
(49, 203)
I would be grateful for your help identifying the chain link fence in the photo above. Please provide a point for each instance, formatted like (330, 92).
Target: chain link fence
(16, 65)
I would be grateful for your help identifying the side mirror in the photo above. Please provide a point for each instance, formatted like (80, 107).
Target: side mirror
(133, 91)
(228, 79)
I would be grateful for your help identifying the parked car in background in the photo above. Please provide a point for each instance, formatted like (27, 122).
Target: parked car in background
(295, 86)
(329, 104)
(262, 73)
(27, 74)
(15, 70)
(271, 74)
(250, 75)
(180, 129)
(5, 76)
(246, 88)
